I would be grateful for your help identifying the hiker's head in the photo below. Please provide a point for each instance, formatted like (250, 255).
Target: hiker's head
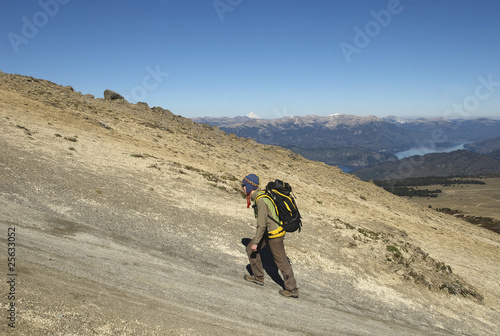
(250, 183)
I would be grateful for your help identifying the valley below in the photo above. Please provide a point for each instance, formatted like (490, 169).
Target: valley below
(481, 200)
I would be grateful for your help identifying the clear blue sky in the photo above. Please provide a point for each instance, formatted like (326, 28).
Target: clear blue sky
(420, 58)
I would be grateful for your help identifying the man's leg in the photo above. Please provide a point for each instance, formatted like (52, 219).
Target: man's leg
(255, 260)
(278, 249)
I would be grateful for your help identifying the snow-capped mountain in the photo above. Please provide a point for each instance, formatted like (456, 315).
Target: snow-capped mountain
(252, 115)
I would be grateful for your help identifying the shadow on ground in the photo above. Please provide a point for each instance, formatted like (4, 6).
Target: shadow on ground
(267, 262)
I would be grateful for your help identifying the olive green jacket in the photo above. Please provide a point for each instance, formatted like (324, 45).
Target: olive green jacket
(263, 211)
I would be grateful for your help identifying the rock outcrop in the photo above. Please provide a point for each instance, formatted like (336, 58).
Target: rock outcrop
(112, 95)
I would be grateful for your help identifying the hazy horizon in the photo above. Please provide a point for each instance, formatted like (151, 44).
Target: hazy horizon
(255, 116)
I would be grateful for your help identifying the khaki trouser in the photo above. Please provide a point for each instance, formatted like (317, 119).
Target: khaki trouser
(277, 247)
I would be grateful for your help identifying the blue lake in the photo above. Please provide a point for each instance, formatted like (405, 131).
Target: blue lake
(428, 149)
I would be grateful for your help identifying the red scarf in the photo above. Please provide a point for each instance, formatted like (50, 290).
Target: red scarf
(248, 201)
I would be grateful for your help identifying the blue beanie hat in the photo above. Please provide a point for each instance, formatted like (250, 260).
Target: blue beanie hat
(251, 182)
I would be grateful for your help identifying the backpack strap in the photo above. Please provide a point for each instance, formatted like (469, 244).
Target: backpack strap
(279, 231)
(274, 204)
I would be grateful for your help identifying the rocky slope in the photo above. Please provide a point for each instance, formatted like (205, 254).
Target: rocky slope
(129, 221)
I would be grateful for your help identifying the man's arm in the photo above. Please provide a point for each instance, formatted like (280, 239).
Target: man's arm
(262, 213)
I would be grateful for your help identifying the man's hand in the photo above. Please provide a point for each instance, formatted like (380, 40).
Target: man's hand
(254, 247)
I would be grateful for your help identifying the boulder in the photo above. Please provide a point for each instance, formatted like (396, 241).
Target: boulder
(111, 95)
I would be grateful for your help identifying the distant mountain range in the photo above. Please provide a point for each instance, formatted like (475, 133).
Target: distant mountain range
(456, 163)
(486, 146)
(353, 141)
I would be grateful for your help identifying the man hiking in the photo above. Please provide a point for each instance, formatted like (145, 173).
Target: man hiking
(268, 233)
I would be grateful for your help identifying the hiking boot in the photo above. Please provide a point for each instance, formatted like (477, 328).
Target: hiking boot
(293, 293)
(256, 280)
